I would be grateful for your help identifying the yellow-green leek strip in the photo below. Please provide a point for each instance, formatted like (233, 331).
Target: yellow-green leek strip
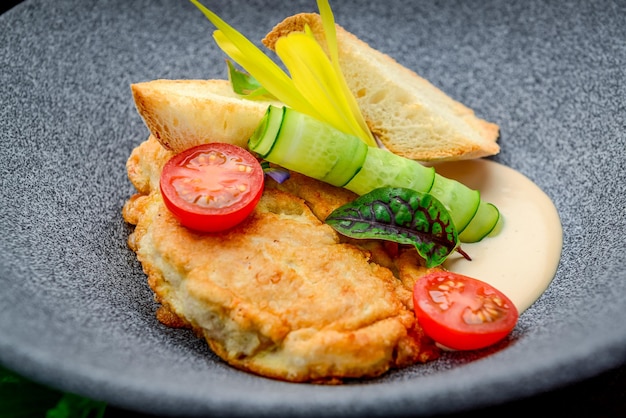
(253, 60)
(265, 71)
(311, 70)
(313, 75)
(328, 22)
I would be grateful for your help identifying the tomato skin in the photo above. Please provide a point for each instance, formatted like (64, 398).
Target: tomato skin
(212, 172)
(443, 299)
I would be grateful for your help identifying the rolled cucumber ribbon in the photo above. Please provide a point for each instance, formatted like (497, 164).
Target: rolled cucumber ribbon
(303, 144)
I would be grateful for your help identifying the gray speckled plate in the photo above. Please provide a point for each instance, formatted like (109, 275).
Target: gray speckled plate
(75, 309)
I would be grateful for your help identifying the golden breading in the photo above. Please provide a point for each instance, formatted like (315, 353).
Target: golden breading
(280, 295)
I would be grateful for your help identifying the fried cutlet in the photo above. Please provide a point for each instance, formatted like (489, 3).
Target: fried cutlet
(282, 294)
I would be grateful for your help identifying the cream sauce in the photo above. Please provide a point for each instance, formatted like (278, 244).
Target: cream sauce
(522, 258)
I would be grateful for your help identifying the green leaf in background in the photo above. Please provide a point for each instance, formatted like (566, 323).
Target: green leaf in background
(22, 398)
(400, 215)
(246, 85)
(75, 406)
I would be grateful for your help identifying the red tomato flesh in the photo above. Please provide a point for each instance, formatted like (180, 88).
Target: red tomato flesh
(462, 313)
(212, 187)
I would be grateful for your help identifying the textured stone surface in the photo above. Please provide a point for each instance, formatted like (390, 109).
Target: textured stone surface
(75, 311)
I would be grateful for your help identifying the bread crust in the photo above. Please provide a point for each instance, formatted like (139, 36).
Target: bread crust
(184, 113)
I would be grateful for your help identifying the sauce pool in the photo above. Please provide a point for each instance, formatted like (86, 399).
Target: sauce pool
(522, 258)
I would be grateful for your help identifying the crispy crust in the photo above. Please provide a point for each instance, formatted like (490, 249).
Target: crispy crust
(281, 295)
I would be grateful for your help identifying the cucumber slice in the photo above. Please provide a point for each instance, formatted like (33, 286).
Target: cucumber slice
(301, 143)
(383, 168)
(461, 201)
(264, 136)
(308, 146)
(482, 224)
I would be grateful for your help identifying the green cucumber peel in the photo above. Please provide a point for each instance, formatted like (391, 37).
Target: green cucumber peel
(460, 200)
(301, 143)
(483, 223)
(382, 168)
(264, 137)
(400, 215)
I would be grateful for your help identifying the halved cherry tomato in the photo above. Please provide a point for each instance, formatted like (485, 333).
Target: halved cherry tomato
(212, 187)
(461, 312)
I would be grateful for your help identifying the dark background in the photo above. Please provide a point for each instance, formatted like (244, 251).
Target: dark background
(7, 4)
(603, 396)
